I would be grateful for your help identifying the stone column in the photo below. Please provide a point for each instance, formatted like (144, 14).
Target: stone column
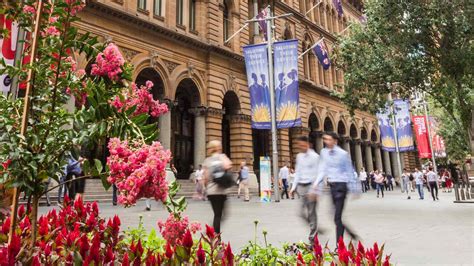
(395, 170)
(319, 142)
(378, 159)
(368, 157)
(358, 156)
(346, 145)
(164, 124)
(386, 162)
(199, 135)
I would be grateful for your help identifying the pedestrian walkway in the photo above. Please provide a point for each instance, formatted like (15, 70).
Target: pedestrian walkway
(416, 232)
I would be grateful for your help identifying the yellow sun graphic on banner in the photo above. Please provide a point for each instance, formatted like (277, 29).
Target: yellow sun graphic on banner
(388, 142)
(287, 112)
(261, 113)
(405, 141)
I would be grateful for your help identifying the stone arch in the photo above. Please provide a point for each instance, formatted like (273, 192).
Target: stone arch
(230, 108)
(341, 128)
(287, 32)
(328, 124)
(353, 132)
(143, 61)
(188, 73)
(373, 136)
(150, 74)
(364, 134)
(314, 123)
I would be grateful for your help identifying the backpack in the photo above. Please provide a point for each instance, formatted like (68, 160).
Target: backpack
(222, 177)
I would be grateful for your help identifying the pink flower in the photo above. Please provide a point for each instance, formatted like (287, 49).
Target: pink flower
(53, 19)
(201, 254)
(29, 9)
(52, 31)
(187, 239)
(175, 230)
(80, 73)
(109, 63)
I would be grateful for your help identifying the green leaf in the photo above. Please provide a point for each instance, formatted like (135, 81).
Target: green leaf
(98, 165)
(105, 182)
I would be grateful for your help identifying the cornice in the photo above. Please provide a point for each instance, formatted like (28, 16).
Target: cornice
(163, 31)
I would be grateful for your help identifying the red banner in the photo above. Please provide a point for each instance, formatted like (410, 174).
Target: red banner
(422, 139)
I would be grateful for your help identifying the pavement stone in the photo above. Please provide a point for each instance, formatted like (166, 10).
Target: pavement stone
(415, 232)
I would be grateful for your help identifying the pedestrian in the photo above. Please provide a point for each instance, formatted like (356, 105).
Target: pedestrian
(216, 169)
(363, 179)
(291, 180)
(336, 166)
(444, 176)
(283, 180)
(449, 181)
(306, 169)
(390, 180)
(114, 195)
(198, 176)
(379, 182)
(406, 182)
(244, 181)
(75, 187)
(432, 178)
(372, 179)
(419, 181)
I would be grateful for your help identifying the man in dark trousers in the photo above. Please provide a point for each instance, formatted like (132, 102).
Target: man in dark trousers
(335, 165)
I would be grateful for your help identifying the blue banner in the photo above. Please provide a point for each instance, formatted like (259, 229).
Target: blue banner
(386, 130)
(403, 125)
(321, 52)
(286, 84)
(256, 64)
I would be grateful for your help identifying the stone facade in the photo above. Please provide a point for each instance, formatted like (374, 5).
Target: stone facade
(179, 45)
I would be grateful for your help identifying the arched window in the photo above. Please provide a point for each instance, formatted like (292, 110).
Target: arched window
(192, 15)
(226, 21)
(179, 12)
(328, 126)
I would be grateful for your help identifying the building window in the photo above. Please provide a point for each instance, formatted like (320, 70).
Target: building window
(179, 12)
(226, 22)
(141, 4)
(192, 14)
(157, 8)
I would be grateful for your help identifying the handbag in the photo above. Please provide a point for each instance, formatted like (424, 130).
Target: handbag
(223, 179)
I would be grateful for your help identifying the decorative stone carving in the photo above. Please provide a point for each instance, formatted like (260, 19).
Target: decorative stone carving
(190, 68)
(108, 38)
(154, 59)
(199, 111)
(215, 112)
(170, 65)
(129, 54)
(240, 118)
(231, 82)
(300, 130)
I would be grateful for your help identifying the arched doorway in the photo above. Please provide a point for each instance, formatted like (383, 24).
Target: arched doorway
(231, 107)
(328, 126)
(364, 137)
(182, 126)
(341, 129)
(353, 135)
(313, 125)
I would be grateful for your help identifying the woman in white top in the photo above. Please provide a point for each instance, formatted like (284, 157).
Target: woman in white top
(433, 183)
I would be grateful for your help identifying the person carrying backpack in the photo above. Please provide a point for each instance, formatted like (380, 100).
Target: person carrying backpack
(217, 179)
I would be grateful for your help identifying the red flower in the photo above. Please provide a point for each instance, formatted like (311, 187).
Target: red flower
(210, 232)
(343, 256)
(340, 244)
(169, 251)
(150, 259)
(43, 226)
(109, 256)
(318, 250)
(125, 261)
(21, 211)
(201, 255)
(187, 240)
(36, 261)
(14, 248)
(25, 224)
(300, 261)
(386, 261)
(228, 255)
(6, 226)
(376, 249)
(360, 248)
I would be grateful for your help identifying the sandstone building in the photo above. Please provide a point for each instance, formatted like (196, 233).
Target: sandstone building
(179, 45)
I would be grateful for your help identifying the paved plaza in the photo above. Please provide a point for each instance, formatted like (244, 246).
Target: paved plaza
(416, 232)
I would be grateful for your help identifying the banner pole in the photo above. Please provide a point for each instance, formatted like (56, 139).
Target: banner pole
(428, 128)
(395, 134)
(276, 189)
(312, 8)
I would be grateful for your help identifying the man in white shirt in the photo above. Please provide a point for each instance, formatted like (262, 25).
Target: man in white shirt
(283, 176)
(433, 183)
(306, 170)
(419, 180)
(335, 165)
(363, 179)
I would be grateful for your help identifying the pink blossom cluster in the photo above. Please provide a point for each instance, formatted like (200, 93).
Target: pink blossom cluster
(174, 229)
(108, 63)
(138, 170)
(142, 99)
(74, 6)
(29, 9)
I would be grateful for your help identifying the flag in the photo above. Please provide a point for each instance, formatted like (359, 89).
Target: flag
(338, 5)
(321, 52)
(403, 125)
(422, 139)
(263, 23)
(256, 65)
(286, 84)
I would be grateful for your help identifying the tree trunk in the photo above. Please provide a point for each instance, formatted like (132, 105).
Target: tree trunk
(34, 220)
